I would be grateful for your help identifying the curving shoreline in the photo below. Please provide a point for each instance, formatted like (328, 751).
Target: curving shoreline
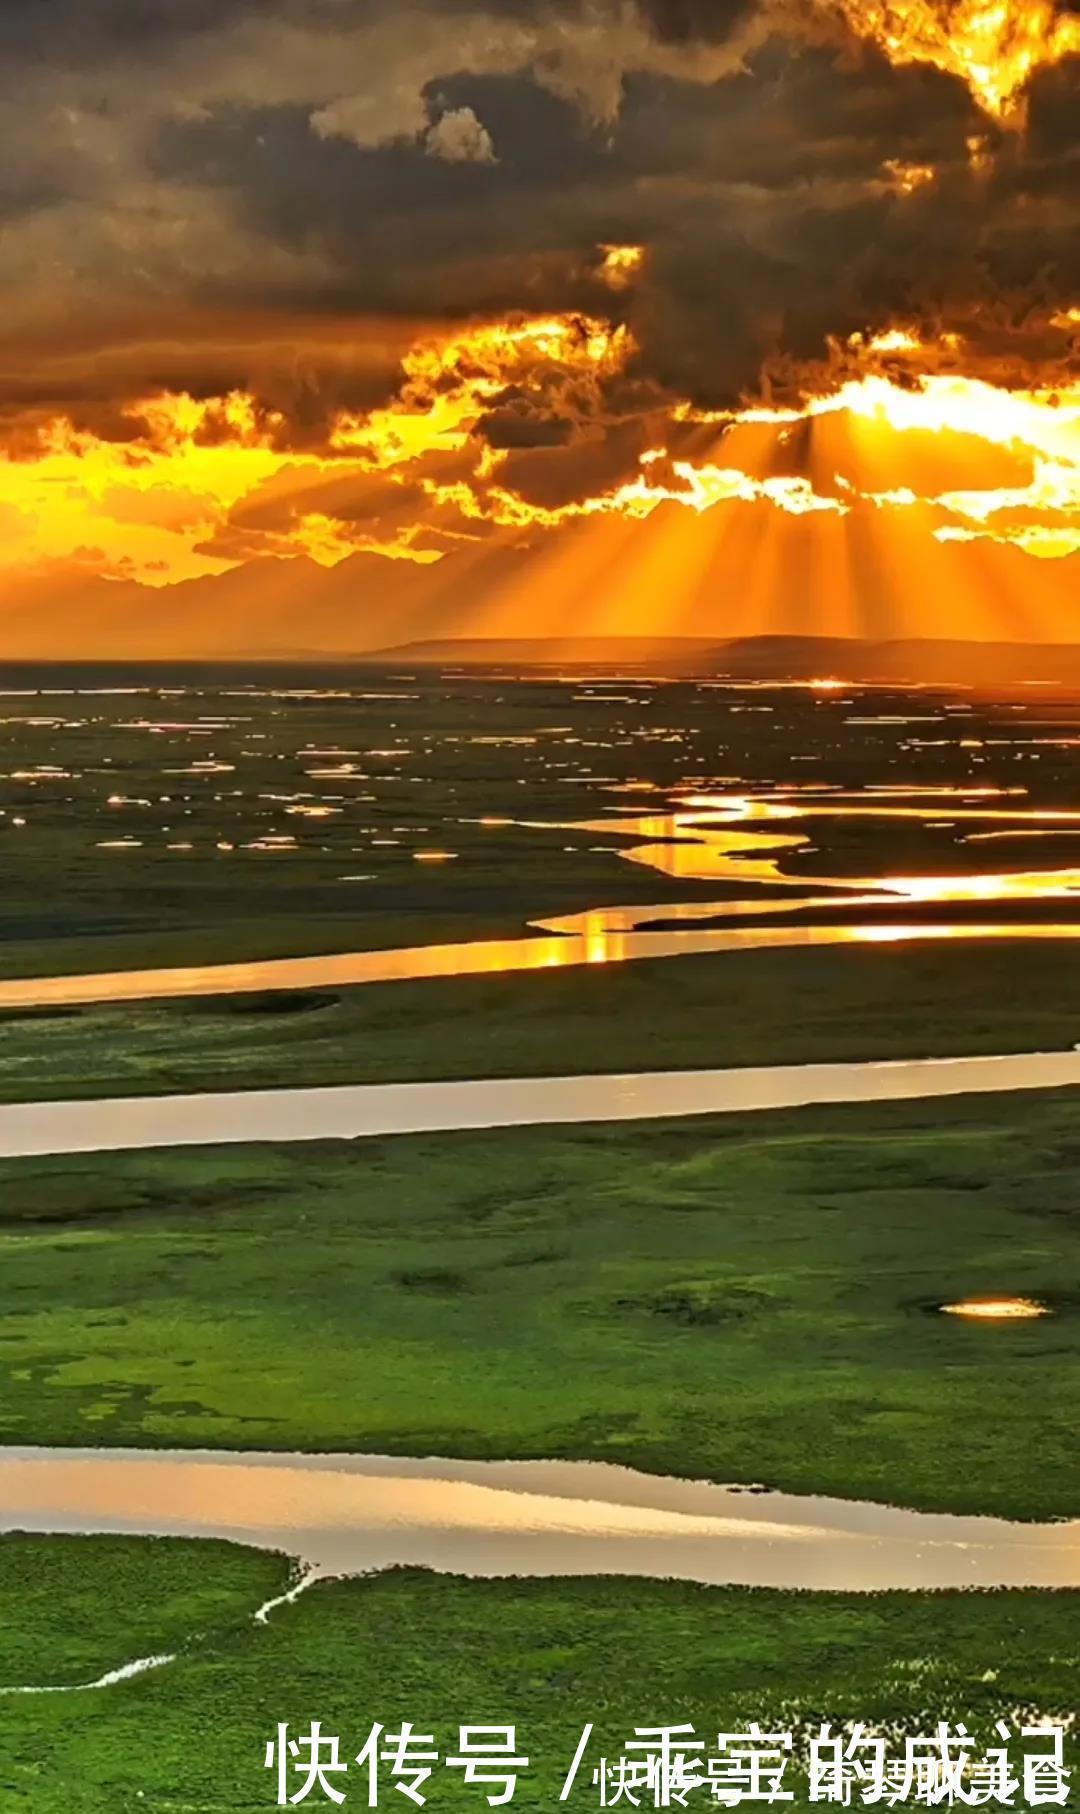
(356, 1514)
(607, 944)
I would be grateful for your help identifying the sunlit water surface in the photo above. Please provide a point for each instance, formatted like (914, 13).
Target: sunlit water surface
(347, 1514)
(241, 774)
(365, 1110)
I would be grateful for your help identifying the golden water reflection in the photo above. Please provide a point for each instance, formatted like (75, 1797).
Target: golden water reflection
(733, 838)
(715, 837)
(479, 957)
(997, 1310)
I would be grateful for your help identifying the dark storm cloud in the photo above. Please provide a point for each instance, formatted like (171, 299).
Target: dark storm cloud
(273, 163)
(683, 21)
(303, 368)
(552, 477)
(512, 426)
(765, 203)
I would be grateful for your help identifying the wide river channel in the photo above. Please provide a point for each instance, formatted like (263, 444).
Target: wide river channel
(356, 1111)
(348, 1514)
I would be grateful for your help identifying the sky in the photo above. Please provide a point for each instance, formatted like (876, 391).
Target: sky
(331, 324)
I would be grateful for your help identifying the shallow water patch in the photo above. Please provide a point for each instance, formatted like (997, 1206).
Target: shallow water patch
(997, 1309)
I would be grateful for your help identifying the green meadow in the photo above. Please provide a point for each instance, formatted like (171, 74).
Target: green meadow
(764, 1007)
(751, 1299)
(545, 1656)
(744, 1298)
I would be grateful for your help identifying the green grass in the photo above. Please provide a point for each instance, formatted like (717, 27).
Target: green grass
(762, 1008)
(443, 1651)
(741, 1298)
(71, 1609)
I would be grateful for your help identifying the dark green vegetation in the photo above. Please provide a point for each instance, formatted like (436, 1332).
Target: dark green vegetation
(134, 825)
(192, 778)
(743, 1299)
(440, 1651)
(767, 1007)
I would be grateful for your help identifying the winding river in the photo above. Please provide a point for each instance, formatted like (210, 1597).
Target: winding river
(733, 839)
(599, 944)
(352, 1514)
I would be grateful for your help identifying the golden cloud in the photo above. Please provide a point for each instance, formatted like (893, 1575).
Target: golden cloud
(994, 46)
(203, 485)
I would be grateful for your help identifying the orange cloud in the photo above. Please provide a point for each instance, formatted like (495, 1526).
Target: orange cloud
(994, 46)
(203, 485)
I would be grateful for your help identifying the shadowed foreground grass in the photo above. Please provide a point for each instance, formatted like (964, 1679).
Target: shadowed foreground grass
(442, 1651)
(749, 1299)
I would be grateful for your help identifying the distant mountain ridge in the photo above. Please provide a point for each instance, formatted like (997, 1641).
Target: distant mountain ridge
(915, 659)
(911, 661)
(293, 609)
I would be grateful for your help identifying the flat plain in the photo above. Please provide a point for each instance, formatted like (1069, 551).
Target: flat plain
(753, 1299)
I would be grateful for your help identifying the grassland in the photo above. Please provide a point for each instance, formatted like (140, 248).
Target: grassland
(204, 817)
(768, 1007)
(120, 851)
(745, 1299)
(441, 1651)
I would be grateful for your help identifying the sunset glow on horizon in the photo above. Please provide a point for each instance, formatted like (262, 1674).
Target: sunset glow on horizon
(886, 443)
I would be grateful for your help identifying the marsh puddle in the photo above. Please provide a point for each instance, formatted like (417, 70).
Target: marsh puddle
(348, 1514)
(997, 1310)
